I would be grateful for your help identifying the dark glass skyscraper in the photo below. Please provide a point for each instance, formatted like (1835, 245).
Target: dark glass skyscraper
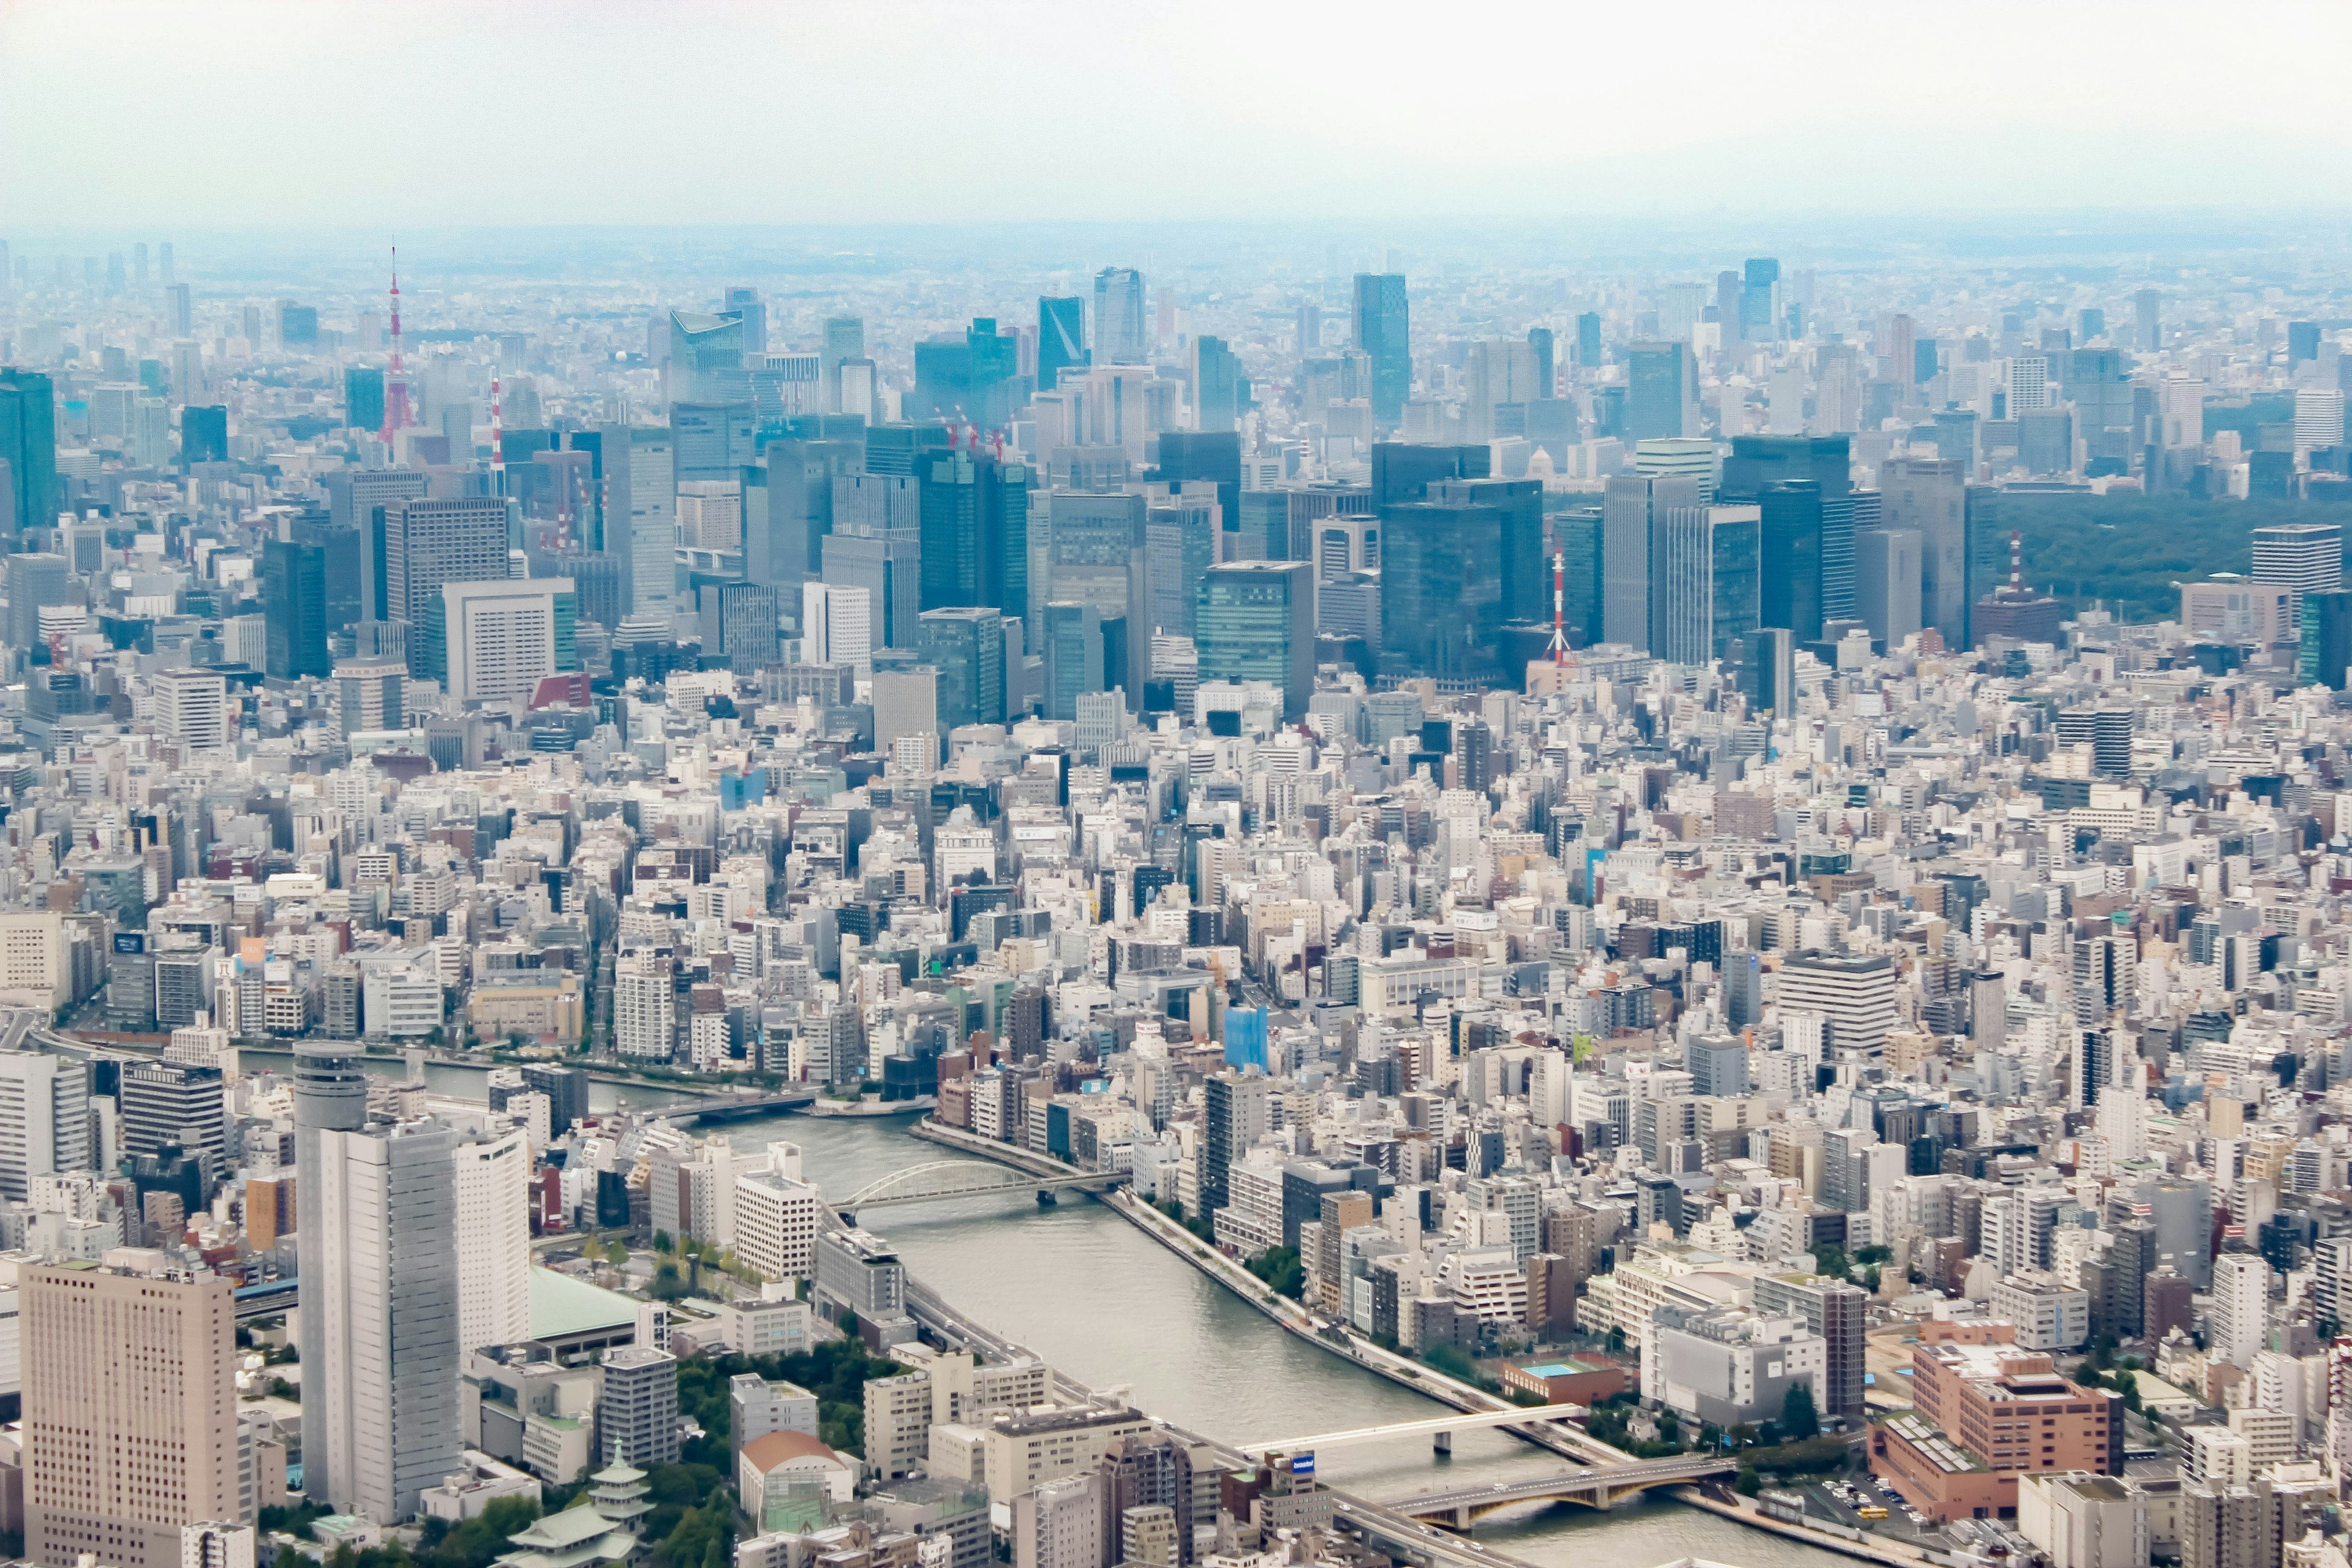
(363, 396)
(1384, 333)
(203, 434)
(1541, 339)
(975, 526)
(966, 646)
(1441, 589)
(1255, 621)
(1061, 337)
(1792, 591)
(1661, 391)
(1759, 292)
(294, 592)
(1588, 339)
(29, 445)
(1211, 455)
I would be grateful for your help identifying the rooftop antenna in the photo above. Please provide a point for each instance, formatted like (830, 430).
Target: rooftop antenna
(396, 415)
(2017, 563)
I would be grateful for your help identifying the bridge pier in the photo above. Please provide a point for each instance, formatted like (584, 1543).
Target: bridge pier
(1441, 1443)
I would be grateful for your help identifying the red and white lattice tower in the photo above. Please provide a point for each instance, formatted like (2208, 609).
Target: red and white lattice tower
(1558, 650)
(397, 416)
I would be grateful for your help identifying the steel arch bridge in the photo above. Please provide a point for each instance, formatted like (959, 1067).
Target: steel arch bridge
(936, 1181)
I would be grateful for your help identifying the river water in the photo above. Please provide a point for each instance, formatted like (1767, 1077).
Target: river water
(1093, 1295)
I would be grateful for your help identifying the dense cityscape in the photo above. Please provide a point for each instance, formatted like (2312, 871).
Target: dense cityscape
(1176, 896)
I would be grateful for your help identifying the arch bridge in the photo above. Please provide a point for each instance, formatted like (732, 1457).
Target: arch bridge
(1599, 1487)
(938, 1180)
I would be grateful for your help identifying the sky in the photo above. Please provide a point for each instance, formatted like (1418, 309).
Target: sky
(238, 115)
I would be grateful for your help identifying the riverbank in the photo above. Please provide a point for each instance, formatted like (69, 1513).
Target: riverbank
(1345, 1345)
(1334, 1338)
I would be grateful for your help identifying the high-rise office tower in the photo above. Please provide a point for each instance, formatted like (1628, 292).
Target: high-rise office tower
(1061, 337)
(36, 580)
(1632, 509)
(44, 1124)
(965, 644)
(2301, 557)
(1498, 373)
(1706, 581)
(130, 1403)
(742, 302)
(1588, 339)
(370, 694)
(1886, 578)
(2148, 319)
(2325, 652)
(1791, 592)
(173, 1104)
(845, 340)
(294, 594)
(975, 531)
(1540, 343)
(493, 1229)
(1074, 658)
(1122, 336)
(1382, 328)
(28, 445)
(1661, 391)
(1255, 621)
(876, 545)
(329, 1095)
(1218, 384)
(837, 625)
(384, 1393)
(495, 641)
(428, 543)
(705, 362)
(1441, 585)
(1759, 301)
(1927, 495)
(192, 706)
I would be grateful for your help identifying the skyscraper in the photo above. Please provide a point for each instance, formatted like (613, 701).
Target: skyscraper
(837, 625)
(2147, 307)
(1061, 337)
(1217, 385)
(362, 396)
(1927, 495)
(705, 364)
(173, 1104)
(1381, 324)
(330, 1096)
(384, 1393)
(44, 1119)
(1255, 621)
(130, 1402)
(1759, 301)
(966, 645)
(2301, 557)
(975, 531)
(428, 543)
(1704, 588)
(1791, 593)
(294, 594)
(493, 1232)
(1121, 333)
(1074, 656)
(1661, 391)
(29, 445)
(495, 641)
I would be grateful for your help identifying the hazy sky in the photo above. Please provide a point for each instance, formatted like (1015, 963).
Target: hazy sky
(227, 114)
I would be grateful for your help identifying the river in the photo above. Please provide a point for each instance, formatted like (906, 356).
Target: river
(1090, 1293)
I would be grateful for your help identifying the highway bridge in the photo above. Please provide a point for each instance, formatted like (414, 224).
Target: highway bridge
(1440, 1428)
(731, 1107)
(936, 1181)
(1594, 1485)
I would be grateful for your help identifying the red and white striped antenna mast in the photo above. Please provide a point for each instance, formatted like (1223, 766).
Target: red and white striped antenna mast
(396, 414)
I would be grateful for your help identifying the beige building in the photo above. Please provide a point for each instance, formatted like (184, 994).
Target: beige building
(130, 1402)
